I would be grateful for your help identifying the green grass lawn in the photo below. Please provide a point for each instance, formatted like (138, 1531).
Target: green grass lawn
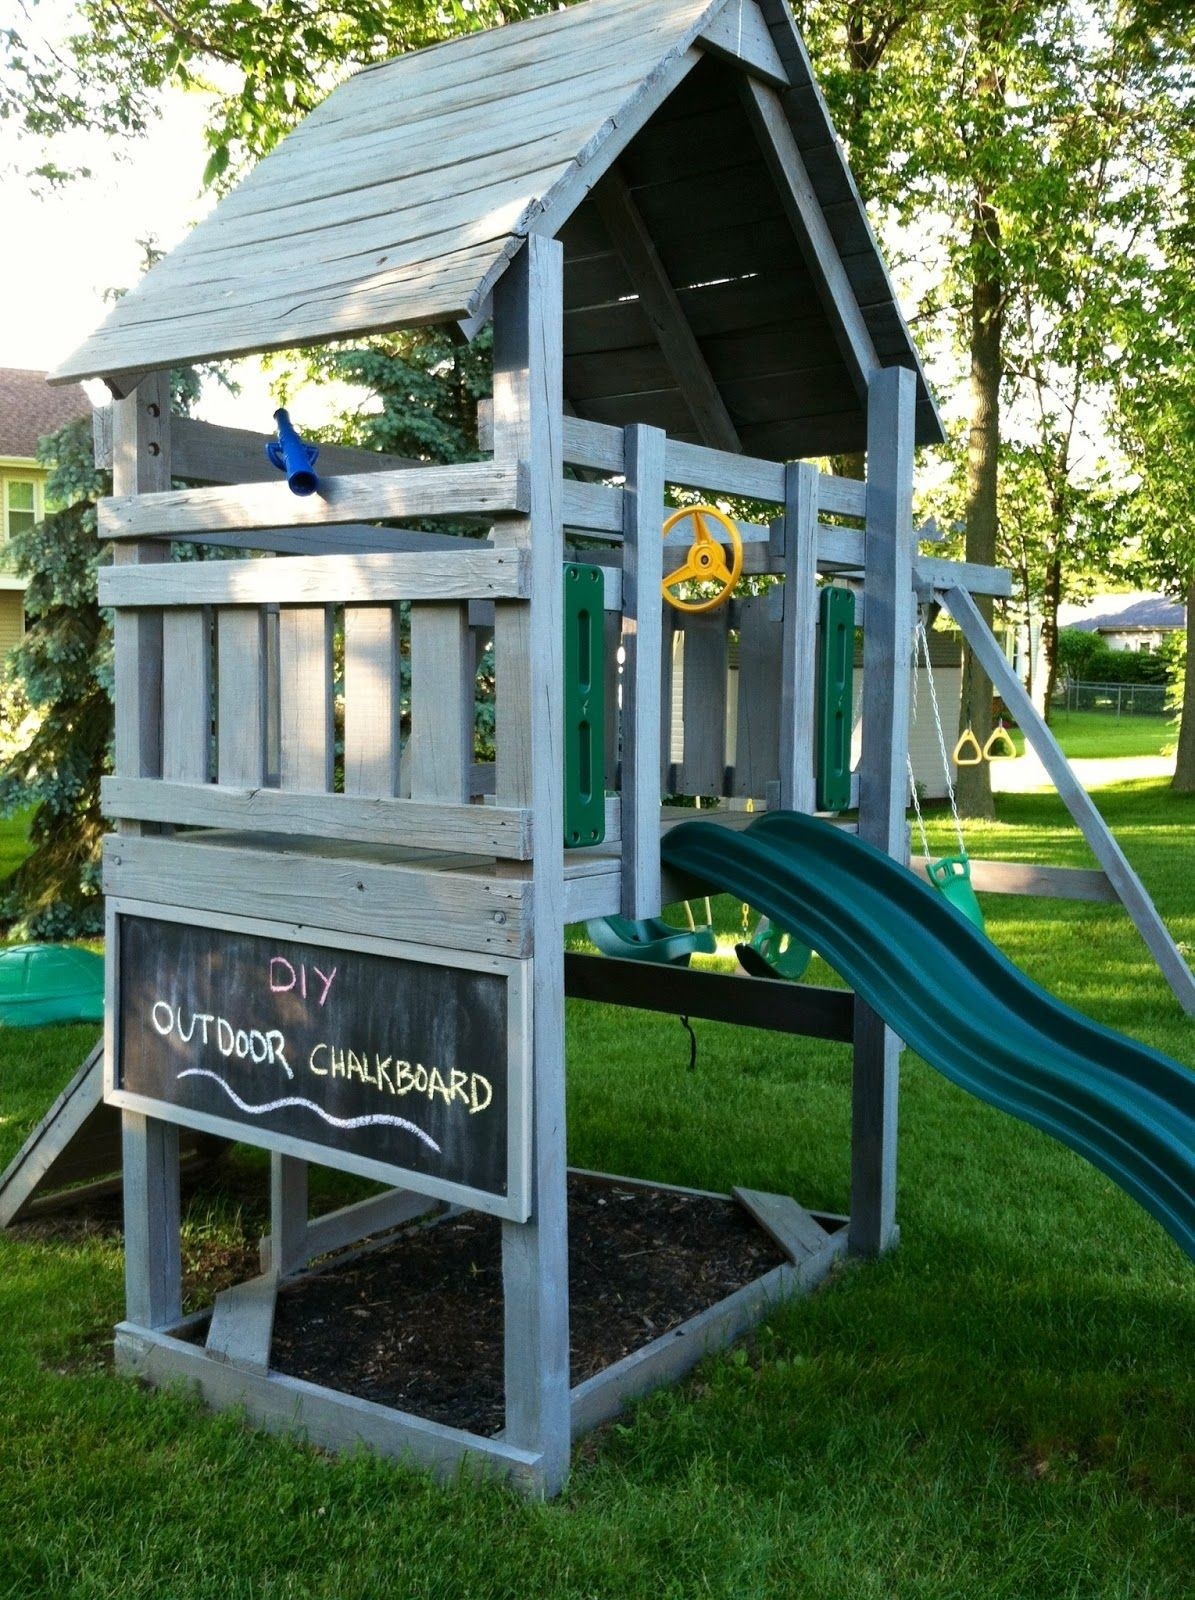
(1001, 1410)
(14, 842)
(1099, 734)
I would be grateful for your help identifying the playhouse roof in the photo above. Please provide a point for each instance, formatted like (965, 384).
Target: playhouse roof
(403, 197)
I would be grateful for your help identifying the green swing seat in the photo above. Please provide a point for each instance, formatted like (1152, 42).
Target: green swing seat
(650, 939)
(951, 877)
(773, 952)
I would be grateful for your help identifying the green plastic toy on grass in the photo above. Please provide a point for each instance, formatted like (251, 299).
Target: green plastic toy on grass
(45, 983)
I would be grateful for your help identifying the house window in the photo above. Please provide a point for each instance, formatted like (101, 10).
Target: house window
(20, 506)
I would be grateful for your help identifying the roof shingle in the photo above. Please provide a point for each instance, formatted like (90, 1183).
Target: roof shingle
(30, 409)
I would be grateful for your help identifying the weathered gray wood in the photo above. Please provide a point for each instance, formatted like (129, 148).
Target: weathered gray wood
(501, 831)
(41, 1152)
(642, 637)
(305, 698)
(757, 743)
(739, 34)
(668, 690)
(1027, 878)
(592, 508)
(529, 644)
(784, 1221)
(152, 1254)
(842, 496)
(472, 573)
(612, 138)
(447, 910)
(309, 298)
(150, 1149)
(209, 452)
(140, 462)
(698, 467)
(322, 1417)
(839, 548)
(803, 207)
(612, 675)
(798, 640)
(372, 740)
(477, 488)
(704, 687)
(638, 254)
(379, 1213)
(341, 539)
(288, 1220)
(442, 704)
(241, 699)
(935, 574)
(664, 1360)
(1128, 886)
(887, 643)
(186, 696)
(242, 1323)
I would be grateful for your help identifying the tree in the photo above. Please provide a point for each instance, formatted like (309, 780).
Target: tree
(1157, 423)
(1019, 141)
(265, 64)
(63, 669)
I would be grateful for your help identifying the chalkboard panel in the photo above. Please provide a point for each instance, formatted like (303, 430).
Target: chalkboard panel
(399, 1063)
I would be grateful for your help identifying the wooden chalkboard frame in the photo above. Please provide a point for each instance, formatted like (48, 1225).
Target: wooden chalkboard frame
(514, 1206)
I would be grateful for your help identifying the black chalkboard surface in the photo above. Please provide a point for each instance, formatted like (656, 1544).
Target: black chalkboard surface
(396, 1062)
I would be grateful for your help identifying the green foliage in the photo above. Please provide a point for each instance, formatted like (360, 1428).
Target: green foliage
(423, 387)
(265, 63)
(63, 670)
(1087, 657)
(1174, 654)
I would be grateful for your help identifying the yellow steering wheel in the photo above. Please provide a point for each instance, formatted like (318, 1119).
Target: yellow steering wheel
(706, 560)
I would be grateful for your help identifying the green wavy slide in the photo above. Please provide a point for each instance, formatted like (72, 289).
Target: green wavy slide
(962, 1005)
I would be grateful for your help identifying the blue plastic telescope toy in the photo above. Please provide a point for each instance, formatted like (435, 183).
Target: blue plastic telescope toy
(290, 455)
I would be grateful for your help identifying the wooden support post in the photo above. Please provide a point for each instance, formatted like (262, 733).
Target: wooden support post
(153, 1273)
(883, 778)
(288, 1214)
(642, 637)
(798, 667)
(529, 653)
(141, 465)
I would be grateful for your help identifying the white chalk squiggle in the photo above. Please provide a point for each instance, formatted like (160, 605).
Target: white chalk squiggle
(380, 1118)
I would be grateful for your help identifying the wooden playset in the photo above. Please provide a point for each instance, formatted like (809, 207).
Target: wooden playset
(345, 942)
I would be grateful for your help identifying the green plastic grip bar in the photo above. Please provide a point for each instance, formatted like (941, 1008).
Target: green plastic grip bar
(584, 705)
(835, 691)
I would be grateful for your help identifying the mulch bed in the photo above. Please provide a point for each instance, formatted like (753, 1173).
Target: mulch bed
(417, 1323)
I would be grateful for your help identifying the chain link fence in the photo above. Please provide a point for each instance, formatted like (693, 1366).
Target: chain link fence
(1118, 699)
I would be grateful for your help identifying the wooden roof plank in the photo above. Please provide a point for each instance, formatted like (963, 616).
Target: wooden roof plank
(653, 285)
(740, 34)
(809, 225)
(403, 197)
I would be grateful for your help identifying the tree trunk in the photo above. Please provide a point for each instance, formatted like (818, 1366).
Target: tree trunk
(1051, 600)
(983, 447)
(1184, 765)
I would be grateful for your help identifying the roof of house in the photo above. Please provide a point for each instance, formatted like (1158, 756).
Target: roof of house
(30, 408)
(404, 196)
(1122, 613)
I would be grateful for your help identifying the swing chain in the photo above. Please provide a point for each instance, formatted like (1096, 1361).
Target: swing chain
(922, 645)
